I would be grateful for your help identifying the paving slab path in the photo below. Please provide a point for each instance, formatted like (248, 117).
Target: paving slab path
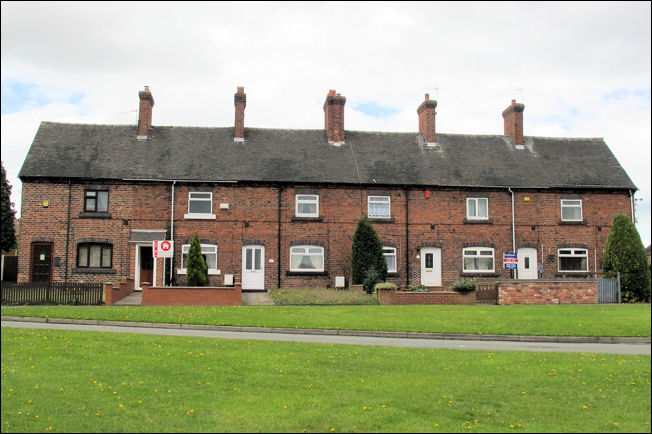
(632, 346)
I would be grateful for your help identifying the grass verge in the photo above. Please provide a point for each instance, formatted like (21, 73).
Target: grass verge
(550, 320)
(65, 381)
(320, 296)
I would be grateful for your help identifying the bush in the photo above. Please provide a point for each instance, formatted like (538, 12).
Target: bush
(367, 252)
(371, 279)
(387, 285)
(625, 253)
(463, 286)
(196, 268)
(418, 287)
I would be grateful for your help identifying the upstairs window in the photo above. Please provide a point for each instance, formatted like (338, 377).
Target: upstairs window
(477, 208)
(571, 210)
(94, 255)
(96, 201)
(390, 256)
(378, 207)
(307, 258)
(200, 205)
(478, 259)
(307, 205)
(573, 260)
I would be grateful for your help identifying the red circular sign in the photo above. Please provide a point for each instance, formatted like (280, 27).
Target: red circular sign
(165, 246)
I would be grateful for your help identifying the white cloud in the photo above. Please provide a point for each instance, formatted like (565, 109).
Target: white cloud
(470, 56)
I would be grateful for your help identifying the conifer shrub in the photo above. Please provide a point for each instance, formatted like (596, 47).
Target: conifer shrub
(367, 253)
(625, 253)
(196, 268)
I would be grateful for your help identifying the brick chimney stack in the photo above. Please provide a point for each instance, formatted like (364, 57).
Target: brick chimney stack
(426, 112)
(145, 112)
(240, 102)
(513, 116)
(334, 117)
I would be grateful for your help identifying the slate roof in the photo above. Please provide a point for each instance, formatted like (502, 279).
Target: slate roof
(304, 156)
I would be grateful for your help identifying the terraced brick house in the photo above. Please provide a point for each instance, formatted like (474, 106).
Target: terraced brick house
(278, 207)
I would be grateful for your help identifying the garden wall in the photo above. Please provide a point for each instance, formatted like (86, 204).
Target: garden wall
(114, 292)
(391, 297)
(191, 296)
(548, 292)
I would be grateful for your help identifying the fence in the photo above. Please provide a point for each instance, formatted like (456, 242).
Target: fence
(609, 290)
(53, 292)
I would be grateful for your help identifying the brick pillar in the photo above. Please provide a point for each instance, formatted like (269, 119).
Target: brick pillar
(427, 114)
(145, 112)
(513, 116)
(240, 102)
(334, 117)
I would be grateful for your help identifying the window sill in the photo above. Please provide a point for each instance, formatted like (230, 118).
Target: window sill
(92, 270)
(210, 272)
(305, 273)
(199, 216)
(381, 219)
(572, 274)
(479, 274)
(307, 219)
(573, 222)
(94, 215)
(478, 221)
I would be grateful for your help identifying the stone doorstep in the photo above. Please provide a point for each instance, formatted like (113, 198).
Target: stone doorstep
(367, 333)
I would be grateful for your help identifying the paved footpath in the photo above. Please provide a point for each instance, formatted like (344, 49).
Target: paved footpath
(635, 346)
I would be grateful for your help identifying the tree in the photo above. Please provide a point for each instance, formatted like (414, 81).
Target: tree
(625, 253)
(367, 254)
(196, 268)
(7, 215)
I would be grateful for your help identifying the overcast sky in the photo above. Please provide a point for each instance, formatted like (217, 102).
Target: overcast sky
(581, 69)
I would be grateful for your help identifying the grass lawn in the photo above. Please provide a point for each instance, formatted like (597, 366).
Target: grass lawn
(558, 320)
(65, 381)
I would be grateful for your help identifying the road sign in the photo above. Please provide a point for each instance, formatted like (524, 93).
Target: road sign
(510, 261)
(162, 249)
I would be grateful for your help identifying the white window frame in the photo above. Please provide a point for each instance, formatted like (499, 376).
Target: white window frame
(206, 249)
(564, 203)
(195, 215)
(308, 199)
(571, 252)
(389, 251)
(467, 252)
(379, 200)
(294, 251)
(469, 216)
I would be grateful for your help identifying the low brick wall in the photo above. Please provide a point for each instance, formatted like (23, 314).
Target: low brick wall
(548, 292)
(390, 297)
(191, 296)
(114, 292)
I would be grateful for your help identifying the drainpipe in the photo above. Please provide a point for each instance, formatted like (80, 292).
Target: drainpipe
(407, 240)
(65, 275)
(513, 230)
(172, 232)
(631, 201)
(278, 241)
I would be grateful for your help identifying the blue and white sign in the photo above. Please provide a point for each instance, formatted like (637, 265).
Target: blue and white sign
(510, 261)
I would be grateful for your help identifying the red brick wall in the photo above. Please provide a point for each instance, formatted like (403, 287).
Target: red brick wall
(252, 218)
(191, 296)
(548, 292)
(388, 297)
(114, 292)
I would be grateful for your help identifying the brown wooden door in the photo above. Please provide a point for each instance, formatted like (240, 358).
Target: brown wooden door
(41, 263)
(146, 264)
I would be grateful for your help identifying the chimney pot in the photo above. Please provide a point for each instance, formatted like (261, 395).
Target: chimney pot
(427, 96)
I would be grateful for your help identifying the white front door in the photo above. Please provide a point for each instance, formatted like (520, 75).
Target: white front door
(253, 267)
(527, 263)
(431, 266)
